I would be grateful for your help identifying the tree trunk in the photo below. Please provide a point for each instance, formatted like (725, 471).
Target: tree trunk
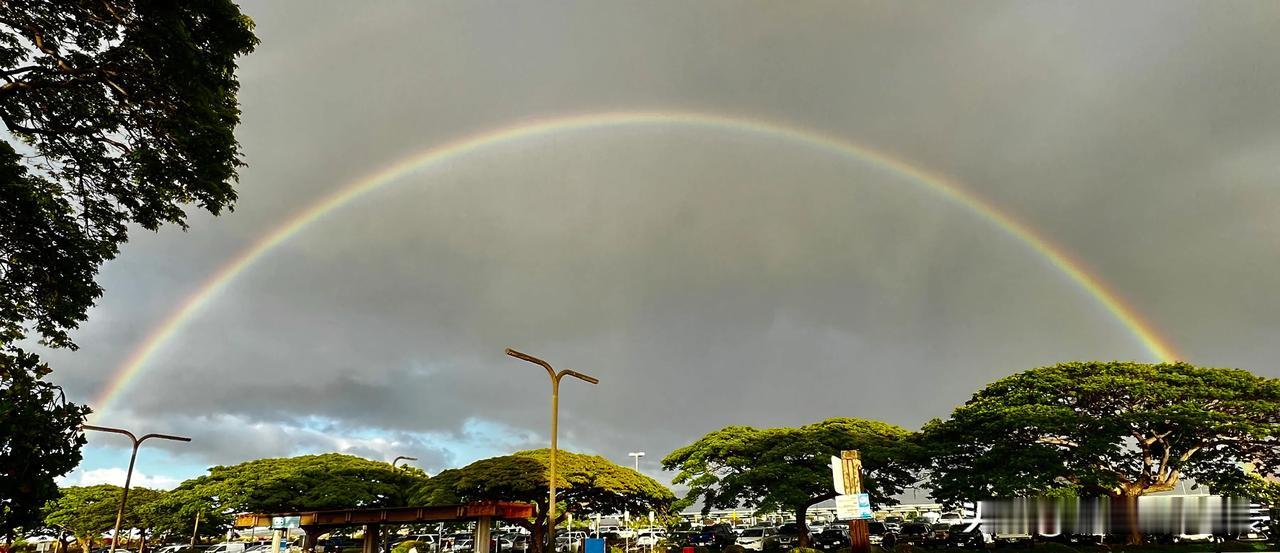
(1124, 516)
(802, 512)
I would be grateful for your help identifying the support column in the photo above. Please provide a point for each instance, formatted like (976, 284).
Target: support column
(371, 532)
(310, 535)
(482, 535)
(275, 541)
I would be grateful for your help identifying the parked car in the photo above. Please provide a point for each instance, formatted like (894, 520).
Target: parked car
(227, 547)
(966, 536)
(680, 538)
(717, 536)
(938, 533)
(831, 539)
(752, 539)
(876, 531)
(786, 537)
(915, 533)
(650, 537)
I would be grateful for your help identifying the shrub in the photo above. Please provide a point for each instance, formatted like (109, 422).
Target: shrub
(735, 548)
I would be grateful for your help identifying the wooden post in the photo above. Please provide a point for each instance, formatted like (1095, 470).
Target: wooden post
(859, 537)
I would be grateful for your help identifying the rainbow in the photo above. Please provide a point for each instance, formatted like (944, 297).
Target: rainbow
(138, 360)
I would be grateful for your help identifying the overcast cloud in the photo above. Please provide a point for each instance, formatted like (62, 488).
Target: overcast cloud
(706, 277)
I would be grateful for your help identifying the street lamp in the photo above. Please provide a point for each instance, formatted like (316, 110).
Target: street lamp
(637, 455)
(128, 476)
(399, 457)
(555, 416)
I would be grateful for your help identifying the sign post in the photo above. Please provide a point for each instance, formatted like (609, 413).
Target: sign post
(846, 478)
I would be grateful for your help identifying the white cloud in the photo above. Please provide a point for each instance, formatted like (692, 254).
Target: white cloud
(116, 476)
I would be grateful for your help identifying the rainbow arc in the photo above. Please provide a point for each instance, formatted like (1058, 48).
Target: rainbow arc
(139, 359)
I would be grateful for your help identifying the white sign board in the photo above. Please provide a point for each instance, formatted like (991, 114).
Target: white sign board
(854, 506)
(285, 522)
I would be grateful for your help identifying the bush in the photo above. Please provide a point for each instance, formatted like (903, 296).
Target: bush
(804, 550)
(735, 548)
(405, 546)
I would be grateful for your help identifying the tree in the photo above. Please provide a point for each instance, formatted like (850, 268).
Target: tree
(120, 112)
(1116, 428)
(790, 468)
(39, 440)
(584, 484)
(86, 512)
(304, 483)
(127, 109)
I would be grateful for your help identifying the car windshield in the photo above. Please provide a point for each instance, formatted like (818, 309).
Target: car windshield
(915, 529)
(753, 532)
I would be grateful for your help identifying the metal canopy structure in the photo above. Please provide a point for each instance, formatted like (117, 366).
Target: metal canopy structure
(315, 523)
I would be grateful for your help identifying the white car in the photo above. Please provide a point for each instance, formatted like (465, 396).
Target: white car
(752, 539)
(227, 547)
(650, 538)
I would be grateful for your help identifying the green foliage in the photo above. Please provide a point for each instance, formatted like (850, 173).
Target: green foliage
(585, 484)
(304, 483)
(38, 439)
(120, 112)
(735, 548)
(789, 468)
(1123, 429)
(128, 109)
(87, 511)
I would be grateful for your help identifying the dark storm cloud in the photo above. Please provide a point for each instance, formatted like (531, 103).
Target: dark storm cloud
(707, 278)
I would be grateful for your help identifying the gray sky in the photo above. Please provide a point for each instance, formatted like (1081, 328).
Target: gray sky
(706, 277)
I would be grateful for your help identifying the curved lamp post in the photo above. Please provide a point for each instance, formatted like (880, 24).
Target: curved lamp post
(555, 415)
(399, 458)
(128, 476)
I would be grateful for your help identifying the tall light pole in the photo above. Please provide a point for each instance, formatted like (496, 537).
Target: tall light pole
(399, 458)
(555, 417)
(128, 476)
(637, 455)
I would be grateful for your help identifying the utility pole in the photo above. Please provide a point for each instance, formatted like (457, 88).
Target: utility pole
(859, 536)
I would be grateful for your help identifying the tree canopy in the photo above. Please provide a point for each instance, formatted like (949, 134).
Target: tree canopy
(86, 512)
(39, 439)
(119, 112)
(126, 111)
(584, 484)
(790, 468)
(303, 483)
(1115, 428)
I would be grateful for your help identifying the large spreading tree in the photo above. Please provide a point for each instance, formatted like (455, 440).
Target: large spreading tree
(584, 484)
(790, 468)
(87, 512)
(1118, 429)
(119, 112)
(304, 483)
